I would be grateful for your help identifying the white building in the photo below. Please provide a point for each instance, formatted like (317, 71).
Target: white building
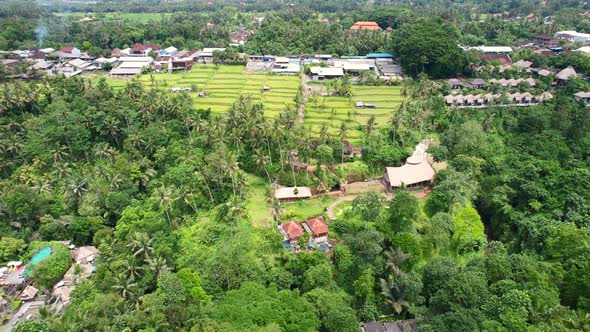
(572, 36)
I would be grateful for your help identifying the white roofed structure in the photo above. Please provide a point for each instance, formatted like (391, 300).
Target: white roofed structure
(292, 193)
(417, 171)
(493, 49)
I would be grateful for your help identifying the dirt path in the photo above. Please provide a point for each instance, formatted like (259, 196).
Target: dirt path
(301, 108)
(389, 197)
(330, 209)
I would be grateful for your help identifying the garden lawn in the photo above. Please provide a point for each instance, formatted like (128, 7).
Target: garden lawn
(303, 209)
(332, 111)
(257, 206)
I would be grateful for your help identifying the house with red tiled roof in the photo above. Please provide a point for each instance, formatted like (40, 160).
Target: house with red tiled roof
(291, 231)
(142, 49)
(74, 51)
(389, 29)
(366, 25)
(503, 59)
(318, 229)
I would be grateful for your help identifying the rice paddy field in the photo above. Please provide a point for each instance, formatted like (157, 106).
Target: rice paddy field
(224, 84)
(332, 111)
(134, 17)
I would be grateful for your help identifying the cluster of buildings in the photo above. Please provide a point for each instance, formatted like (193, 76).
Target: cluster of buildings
(499, 99)
(71, 61)
(293, 232)
(14, 280)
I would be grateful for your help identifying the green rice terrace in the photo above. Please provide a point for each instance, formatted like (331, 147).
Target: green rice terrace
(224, 84)
(332, 111)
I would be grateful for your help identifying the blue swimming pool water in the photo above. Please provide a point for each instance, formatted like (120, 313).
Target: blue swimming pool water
(40, 255)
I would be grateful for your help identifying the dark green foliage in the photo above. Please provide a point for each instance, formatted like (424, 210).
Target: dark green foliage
(32, 326)
(254, 306)
(429, 46)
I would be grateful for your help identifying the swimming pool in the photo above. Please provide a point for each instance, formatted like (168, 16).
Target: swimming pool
(40, 255)
(36, 259)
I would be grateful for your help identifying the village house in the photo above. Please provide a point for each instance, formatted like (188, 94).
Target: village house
(563, 76)
(475, 83)
(572, 36)
(356, 69)
(416, 172)
(240, 37)
(291, 232)
(284, 65)
(70, 51)
(82, 65)
(583, 96)
(84, 267)
(325, 73)
(206, 55)
(522, 64)
(366, 25)
(142, 50)
(169, 51)
(131, 65)
(492, 49)
(28, 294)
(292, 193)
(318, 229)
(501, 59)
(544, 40)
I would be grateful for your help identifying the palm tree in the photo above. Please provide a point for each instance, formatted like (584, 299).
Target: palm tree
(395, 259)
(394, 294)
(42, 187)
(133, 271)
(262, 161)
(124, 286)
(59, 153)
(158, 265)
(140, 244)
(167, 196)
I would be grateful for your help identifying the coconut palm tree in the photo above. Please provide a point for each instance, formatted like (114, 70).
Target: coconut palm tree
(394, 294)
(124, 286)
(158, 265)
(167, 196)
(140, 244)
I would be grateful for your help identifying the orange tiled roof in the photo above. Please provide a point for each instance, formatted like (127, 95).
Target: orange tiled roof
(317, 226)
(366, 25)
(293, 229)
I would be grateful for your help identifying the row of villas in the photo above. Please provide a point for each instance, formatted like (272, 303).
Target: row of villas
(483, 100)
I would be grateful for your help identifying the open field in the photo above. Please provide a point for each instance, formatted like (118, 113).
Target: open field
(332, 111)
(134, 17)
(224, 84)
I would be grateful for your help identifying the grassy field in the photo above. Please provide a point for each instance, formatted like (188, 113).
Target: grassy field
(303, 209)
(332, 111)
(224, 84)
(134, 17)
